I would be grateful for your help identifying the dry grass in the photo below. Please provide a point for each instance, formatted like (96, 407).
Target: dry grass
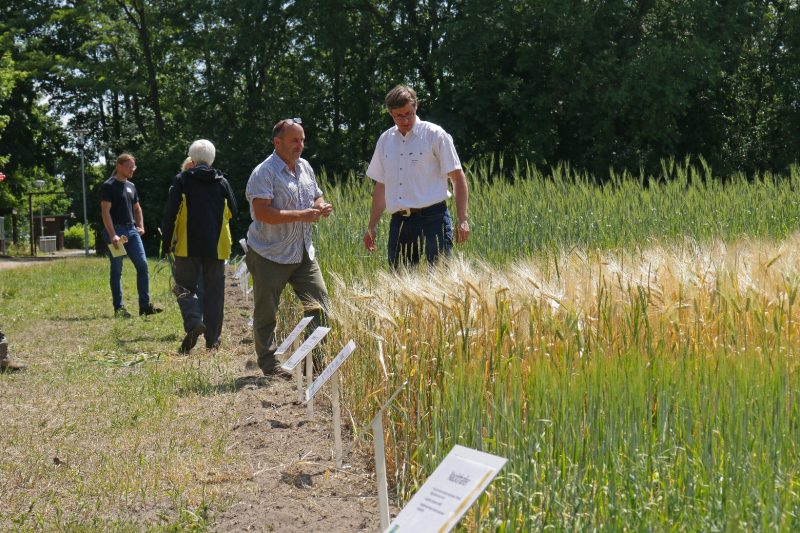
(106, 430)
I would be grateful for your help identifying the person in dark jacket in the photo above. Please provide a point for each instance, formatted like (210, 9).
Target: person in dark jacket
(197, 234)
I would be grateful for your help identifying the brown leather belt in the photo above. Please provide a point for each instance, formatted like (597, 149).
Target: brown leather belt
(408, 211)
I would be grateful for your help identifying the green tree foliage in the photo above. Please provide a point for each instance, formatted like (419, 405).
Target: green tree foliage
(601, 85)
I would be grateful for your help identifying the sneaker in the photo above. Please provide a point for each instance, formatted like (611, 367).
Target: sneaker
(121, 312)
(213, 345)
(190, 339)
(149, 310)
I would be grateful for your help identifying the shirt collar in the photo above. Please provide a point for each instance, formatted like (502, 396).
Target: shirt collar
(279, 165)
(414, 129)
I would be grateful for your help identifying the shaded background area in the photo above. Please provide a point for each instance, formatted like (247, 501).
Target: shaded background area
(598, 85)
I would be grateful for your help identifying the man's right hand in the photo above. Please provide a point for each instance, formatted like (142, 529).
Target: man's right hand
(369, 240)
(310, 215)
(115, 241)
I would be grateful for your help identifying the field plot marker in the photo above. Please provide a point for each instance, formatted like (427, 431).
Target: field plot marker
(305, 352)
(447, 494)
(293, 335)
(332, 371)
(380, 458)
(292, 340)
(298, 374)
(309, 380)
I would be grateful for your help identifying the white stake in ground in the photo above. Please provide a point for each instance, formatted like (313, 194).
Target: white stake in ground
(293, 341)
(331, 371)
(380, 458)
(305, 352)
(447, 494)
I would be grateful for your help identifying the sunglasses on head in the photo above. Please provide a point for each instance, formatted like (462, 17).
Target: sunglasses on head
(286, 122)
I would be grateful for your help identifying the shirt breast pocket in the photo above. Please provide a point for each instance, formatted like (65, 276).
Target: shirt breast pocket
(422, 158)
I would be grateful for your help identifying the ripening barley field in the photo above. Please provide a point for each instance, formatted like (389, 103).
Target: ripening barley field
(631, 348)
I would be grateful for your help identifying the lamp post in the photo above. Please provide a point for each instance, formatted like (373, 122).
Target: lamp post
(81, 143)
(39, 184)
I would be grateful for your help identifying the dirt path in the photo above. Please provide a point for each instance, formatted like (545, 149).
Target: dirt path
(295, 485)
(17, 262)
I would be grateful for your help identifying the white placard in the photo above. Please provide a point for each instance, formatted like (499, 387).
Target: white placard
(330, 370)
(305, 348)
(293, 335)
(447, 494)
(241, 270)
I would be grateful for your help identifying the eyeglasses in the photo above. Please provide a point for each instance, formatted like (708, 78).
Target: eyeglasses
(404, 116)
(286, 122)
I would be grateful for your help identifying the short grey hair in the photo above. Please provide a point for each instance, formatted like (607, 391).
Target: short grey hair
(202, 151)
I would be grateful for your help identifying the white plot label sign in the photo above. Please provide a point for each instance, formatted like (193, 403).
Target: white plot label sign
(330, 370)
(305, 348)
(293, 335)
(447, 494)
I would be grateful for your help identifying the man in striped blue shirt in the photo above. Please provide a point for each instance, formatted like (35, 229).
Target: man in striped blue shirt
(285, 201)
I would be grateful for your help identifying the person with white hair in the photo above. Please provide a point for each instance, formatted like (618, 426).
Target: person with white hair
(196, 231)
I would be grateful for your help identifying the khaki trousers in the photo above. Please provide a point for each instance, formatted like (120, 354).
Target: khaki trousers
(269, 280)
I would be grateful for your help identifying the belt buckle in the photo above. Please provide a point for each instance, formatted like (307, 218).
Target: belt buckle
(406, 212)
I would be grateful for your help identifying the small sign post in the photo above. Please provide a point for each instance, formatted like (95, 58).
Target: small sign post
(305, 352)
(298, 375)
(447, 494)
(331, 371)
(337, 421)
(293, 335)
(309, 379)
(293, 341)
(305, 348)
(380, 458)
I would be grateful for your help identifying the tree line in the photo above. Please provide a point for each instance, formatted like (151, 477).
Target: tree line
(599, 84)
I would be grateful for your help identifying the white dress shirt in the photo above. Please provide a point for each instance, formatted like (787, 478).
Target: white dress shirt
(414, 167)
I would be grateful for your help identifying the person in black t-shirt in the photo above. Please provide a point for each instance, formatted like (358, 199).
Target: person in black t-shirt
(122, 217)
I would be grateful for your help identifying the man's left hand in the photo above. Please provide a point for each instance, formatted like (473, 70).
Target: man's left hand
(140, 229)
(462, 231)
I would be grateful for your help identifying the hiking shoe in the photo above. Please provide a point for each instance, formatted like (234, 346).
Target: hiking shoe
(121, 312)
(9, 365)
(190, 339)
(149, 310)
(278, 373)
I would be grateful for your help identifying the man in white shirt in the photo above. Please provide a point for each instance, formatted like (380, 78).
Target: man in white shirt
(285, 201)
(411, 166)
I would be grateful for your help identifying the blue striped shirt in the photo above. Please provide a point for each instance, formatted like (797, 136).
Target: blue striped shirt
(282, 243)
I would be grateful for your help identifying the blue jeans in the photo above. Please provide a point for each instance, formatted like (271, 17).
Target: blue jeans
(135, 250)
(429, 231)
